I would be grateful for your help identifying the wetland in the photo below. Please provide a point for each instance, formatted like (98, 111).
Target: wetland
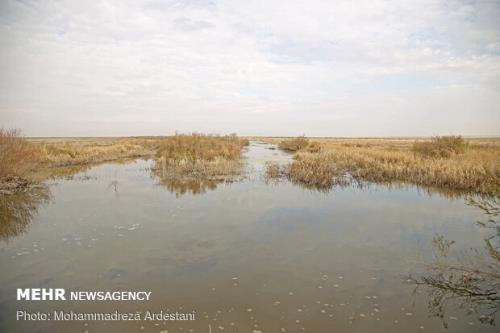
(246, 254)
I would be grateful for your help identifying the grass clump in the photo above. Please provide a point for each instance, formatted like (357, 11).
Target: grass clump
(313, 170)
(18, 159)
(441, 146)
(273, 171)
(308, 170)
(17, 156)
(200, 156)
(294, 144)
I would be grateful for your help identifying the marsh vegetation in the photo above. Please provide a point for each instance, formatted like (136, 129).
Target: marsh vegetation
(441, 162)
(25, 161)
(200, 156)
(18, 159)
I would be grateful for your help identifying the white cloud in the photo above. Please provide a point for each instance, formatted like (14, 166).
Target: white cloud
(254, 67)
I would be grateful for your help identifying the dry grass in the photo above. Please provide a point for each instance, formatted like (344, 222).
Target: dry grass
(294, 144)
(23, 161)
(441, 146)
(309, 170)
(18, 157)
(194, 156)
(273, 170)
(313, 170)
(475, 169)
(200, 156)
(71, 152)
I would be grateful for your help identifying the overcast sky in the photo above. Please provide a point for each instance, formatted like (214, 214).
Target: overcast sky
(271, 67)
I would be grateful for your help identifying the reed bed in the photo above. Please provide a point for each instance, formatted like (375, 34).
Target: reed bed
(195, 156)
(472, 167)
(92, 151)
(200, 156)
(308, 170)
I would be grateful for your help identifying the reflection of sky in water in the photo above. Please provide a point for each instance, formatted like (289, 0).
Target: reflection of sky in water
(273, 249)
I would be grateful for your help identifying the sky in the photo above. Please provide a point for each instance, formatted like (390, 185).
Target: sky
(270, 67)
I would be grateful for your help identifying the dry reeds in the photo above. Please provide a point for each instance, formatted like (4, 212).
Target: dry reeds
(18, 157)
(308, 170)
(273, 171)
(476, 169)
(294, 144)
(441, 146)
(200, 156)
(312, 170)
(84, 152)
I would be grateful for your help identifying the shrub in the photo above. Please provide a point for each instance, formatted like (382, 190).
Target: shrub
(441, 146)
(17, 156)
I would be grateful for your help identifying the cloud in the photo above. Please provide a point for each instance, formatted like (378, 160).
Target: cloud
(254, 67)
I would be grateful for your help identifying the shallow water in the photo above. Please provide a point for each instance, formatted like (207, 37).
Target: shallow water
(247, 256)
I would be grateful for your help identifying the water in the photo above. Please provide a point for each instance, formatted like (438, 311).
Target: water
(247, 256)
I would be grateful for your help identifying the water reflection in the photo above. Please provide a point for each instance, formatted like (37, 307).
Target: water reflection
(470, 278)
(189, 186)
(17, 210)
